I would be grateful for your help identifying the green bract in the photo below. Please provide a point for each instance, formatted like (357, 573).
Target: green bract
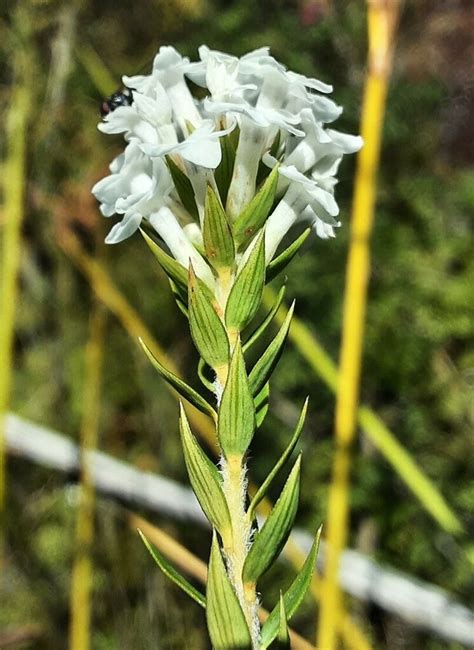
(225, 618)
(246, 293)
(236, 423)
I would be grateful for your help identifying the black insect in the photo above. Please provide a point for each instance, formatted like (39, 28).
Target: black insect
(122, 97)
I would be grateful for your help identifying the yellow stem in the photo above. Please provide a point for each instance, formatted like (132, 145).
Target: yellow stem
(13, 212)
(234, 486)
(382, 16)
(81, 582)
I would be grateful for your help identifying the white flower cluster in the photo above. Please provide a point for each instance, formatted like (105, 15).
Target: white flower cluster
(281, 117)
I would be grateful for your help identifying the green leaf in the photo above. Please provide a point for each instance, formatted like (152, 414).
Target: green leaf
(179, 385)
(281, 461)
(202, 376)
(254, 215)
(236, 420)
(280, 262)
(183, 187)
(283, 636)
(170, 266)
(207, 329)
(264, 367)
(218, 241)
(261, 404)
(180, 297)
(246, 293)
(226, 622)
(174, 270)
(205, 479)
(223, 174)
(171, 573)
(257, 333)
(269, 541)
(293, 597)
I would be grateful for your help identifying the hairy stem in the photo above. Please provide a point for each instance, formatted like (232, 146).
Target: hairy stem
(235, 489)
(234, 473)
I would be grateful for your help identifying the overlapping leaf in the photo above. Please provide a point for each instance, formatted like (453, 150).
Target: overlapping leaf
(246, 293)
(293, 597)
(207, 329)
(254, 215)
(218, 241)
(262, 370)
(236, 420)
(205, 479)
(225, 619)
(179, 385)
(270, 540)
(279, 263)
(281, 461)
(257, 333)
(171, 573)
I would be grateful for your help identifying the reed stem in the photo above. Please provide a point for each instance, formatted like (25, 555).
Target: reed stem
(14, 184)
(382, 18)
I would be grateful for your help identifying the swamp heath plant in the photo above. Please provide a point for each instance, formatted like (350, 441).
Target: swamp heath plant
(217, 179)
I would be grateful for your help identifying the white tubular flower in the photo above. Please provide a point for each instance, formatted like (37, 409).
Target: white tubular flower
(169, 68)
(175, 144)
(201, 148)
(137, 187)
(307, 181)
(180, 246)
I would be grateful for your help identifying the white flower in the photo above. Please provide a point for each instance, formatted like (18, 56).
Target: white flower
(201, 148)
(179, 244)
(274, 108)
(137, 187)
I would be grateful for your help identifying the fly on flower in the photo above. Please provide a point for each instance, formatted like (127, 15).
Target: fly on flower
(121, 97)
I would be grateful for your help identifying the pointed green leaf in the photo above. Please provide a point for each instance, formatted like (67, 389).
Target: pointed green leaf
(223, 173)
(254, 215)
(283, 636)
(207, 329)
(293, 597)
(281, 461)
(218, 241)
(226, 622)
(280, 262)
(264, 367)
(205, 479)
(175, 271)
(269, 541)
(257, 333)
(261, 404)
(180, 297)
(236, 420)
(179, 385)
(246, 293)
(171, 573)
(183, 187)
(170, 266)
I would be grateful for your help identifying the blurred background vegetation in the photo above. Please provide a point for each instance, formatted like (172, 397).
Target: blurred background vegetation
(418, 367)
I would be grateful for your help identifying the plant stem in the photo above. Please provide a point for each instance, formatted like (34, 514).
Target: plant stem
(381, 27)
(234, 471)
(14, 193)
